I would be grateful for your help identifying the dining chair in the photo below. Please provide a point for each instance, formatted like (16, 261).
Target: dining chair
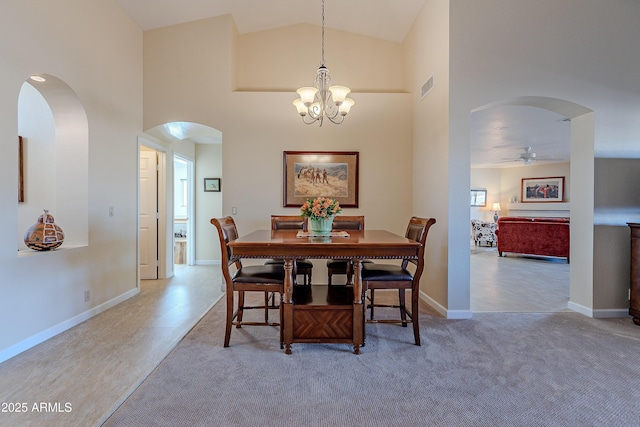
(292, 222)
(268, 279)
(390, 276)
(341, 266)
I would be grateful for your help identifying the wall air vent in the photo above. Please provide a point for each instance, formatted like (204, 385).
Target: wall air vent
(426, 88)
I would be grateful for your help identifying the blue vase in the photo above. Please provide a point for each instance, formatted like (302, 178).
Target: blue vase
(321, 226)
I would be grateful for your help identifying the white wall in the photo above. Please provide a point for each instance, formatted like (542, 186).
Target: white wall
(490, 180)
(43, 294)
(208, 204)
(38, 129)
(615, 205)
(565, 50)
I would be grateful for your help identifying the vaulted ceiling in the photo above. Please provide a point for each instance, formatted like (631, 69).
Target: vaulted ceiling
(498, 135)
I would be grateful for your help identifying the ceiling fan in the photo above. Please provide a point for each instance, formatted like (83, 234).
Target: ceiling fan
(528, 156)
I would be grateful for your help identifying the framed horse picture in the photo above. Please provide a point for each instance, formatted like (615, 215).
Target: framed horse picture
(310, 174)
(542, 190)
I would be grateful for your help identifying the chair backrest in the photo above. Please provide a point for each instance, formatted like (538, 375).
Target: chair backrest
(348, 222)
(227, 232)
(288, 222)
(417, 230)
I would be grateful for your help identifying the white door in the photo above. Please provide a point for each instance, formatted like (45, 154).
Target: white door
(148, 214)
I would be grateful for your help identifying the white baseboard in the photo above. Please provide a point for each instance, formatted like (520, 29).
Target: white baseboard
(580, 309)
(448, 314)
(40, 337)
(599, 314)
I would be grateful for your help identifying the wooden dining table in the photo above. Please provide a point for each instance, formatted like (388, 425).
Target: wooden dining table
(322, 313)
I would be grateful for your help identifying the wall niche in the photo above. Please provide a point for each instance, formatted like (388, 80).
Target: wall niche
(54, 129)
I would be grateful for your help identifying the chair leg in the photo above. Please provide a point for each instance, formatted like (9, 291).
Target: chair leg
(227, 330)
(281, 321)
(266, 307)
(240, 309)
(329, 274)
(414, 316)
(349, 273)
(403, 307)
(371, 307)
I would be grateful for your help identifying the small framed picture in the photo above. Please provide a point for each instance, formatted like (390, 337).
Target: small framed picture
(542, 190)
(478, 197)
(212, 184)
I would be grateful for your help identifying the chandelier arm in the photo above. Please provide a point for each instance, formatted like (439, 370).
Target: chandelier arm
(309, 120)
(337, 121)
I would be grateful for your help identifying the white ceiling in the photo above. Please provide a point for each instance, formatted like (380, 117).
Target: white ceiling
(501, 133)
(497, 134)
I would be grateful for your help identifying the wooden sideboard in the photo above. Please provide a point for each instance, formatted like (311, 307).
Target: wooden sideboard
(634, 295)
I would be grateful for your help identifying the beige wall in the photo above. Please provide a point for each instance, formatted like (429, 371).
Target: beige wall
(426, 53)
(43, 293)
(511, 180)
(288, 57)
(258, 126)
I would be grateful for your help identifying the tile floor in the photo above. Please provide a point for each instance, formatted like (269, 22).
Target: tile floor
(97, 364)
(516, 283)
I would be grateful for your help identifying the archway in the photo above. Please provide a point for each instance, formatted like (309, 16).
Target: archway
(581, 190)
(200, 145)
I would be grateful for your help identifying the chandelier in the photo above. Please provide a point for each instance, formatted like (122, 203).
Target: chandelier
(323, 99)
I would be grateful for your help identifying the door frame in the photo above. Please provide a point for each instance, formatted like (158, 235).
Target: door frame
(191, 237)
(163, 229)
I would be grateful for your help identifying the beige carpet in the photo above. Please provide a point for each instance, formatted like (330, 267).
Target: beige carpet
(497, 369)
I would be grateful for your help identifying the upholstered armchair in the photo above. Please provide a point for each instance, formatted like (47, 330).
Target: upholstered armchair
(483, 232)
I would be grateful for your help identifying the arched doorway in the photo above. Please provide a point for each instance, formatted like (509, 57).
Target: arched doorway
(199, 147)
(581, 190)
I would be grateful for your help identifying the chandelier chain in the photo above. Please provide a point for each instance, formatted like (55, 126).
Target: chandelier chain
(322, 62)
(323, 100)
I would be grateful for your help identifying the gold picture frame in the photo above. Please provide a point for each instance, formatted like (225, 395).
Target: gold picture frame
(310, 174)
(542, 190)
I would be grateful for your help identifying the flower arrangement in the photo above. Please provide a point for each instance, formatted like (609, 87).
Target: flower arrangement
(320, 208)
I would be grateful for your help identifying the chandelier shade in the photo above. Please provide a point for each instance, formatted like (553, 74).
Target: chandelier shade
(323, 99)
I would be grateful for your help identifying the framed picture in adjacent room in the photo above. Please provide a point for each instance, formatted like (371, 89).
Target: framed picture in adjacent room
(310, 174)
(478, 197)
(212, 185)
(542, 190)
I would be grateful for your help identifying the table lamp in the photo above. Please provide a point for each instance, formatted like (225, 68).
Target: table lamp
(495, 208)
